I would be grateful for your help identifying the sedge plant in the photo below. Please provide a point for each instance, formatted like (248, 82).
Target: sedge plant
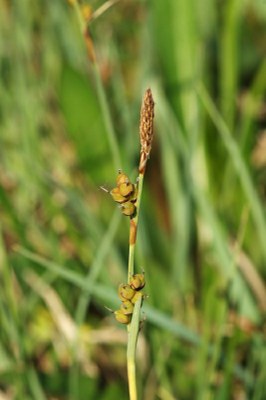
(129, 197)
(146, 137)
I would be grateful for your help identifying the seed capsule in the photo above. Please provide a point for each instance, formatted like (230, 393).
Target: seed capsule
(122, 318)
(125, 292)
(126, 189)
(127, 307)
(128, 208)
(137, 281)
(117, 196)
(136, 297)
(121, 178)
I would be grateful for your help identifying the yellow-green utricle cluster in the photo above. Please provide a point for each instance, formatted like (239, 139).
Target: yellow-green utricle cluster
(129, 294)
(125, 193)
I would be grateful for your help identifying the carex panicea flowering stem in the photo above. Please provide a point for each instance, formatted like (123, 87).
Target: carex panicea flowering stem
(146, 137)
(128, 196)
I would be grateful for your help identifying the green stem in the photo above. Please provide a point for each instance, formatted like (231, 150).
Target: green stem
(131, 351)
(133, 328)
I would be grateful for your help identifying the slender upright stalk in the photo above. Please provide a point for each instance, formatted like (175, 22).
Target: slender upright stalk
(133, 332)
(146, 136)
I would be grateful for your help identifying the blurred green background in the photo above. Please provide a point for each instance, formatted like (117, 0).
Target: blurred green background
(66, 126)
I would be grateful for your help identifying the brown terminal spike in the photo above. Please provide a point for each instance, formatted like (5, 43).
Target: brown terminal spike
(146, 129)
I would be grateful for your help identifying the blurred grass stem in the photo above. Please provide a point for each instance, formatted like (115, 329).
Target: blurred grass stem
(84, 28)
